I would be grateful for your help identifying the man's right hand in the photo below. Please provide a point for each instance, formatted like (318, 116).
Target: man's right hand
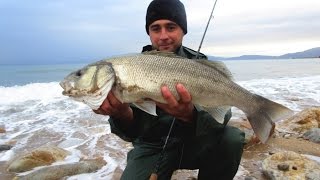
(113, 107)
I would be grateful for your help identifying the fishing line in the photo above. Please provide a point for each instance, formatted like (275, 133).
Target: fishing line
(154, 175)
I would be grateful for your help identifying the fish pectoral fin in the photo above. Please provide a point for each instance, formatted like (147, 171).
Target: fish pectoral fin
(147, 106)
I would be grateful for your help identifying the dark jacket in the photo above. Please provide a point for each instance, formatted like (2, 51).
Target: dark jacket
(153, 129)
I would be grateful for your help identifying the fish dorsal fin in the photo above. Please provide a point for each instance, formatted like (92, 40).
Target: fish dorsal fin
(218, 65)
(164, 54)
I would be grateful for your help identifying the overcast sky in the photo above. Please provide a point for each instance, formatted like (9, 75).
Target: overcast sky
(43, 31)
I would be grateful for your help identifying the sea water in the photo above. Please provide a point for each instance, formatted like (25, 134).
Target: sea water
(34, 113)
(11, 75)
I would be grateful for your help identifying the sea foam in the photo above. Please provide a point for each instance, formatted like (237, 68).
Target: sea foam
(38, 114)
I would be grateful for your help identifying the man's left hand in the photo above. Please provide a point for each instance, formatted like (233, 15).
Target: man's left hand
(183, 108)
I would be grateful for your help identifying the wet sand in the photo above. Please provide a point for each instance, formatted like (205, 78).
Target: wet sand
(4, 174)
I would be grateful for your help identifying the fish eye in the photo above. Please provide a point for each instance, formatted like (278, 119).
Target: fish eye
(78, 73)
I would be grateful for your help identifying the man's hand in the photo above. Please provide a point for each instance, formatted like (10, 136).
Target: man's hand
(182, 109)
(113, 107)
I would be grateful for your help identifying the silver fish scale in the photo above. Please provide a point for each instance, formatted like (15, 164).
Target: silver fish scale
(142, 76)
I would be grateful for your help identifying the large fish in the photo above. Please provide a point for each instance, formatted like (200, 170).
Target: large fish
(137, 78)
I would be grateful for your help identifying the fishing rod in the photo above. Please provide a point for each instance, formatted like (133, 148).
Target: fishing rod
(205, 31)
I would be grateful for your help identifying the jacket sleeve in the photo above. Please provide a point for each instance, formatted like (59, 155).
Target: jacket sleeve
(141, 122)
(126, 133)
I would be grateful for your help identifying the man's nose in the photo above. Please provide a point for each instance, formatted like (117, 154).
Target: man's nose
(164, 34)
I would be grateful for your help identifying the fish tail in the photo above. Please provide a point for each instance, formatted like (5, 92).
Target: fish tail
(264, 117)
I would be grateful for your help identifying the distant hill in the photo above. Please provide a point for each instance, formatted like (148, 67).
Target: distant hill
(310, 53)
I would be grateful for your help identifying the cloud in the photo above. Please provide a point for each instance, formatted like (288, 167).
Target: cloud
(251, 27)
(69, 31)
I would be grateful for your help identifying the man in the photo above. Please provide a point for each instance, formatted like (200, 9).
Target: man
(182, 136)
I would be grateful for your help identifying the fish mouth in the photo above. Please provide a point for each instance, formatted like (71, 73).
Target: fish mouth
(70, 90)
(67, 87)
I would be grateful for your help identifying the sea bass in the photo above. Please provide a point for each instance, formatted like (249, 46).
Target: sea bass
(138, 78)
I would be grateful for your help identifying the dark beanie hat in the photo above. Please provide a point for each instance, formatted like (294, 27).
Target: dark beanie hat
(172, 10)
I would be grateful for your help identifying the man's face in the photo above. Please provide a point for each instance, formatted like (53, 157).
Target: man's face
(165, 35)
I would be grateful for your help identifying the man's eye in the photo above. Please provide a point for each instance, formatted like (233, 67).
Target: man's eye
(155, 29)
(171, 28)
